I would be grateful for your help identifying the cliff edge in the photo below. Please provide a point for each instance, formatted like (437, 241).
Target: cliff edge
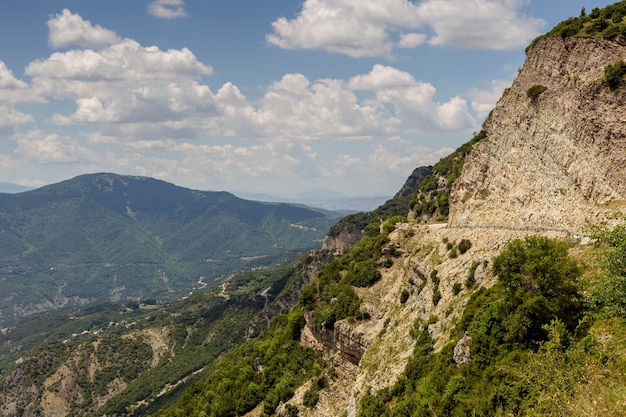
(555, 147)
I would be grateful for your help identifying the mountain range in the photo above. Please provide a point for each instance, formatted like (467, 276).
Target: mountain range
(492, 283)
(106, 237)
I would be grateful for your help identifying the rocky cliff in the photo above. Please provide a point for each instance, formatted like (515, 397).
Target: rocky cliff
(549, 162)
(553, 159)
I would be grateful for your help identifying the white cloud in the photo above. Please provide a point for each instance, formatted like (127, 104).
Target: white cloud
(411, 40)
(479, 24)
(364, 28)
(13, 90)
(413, 100)
(326, 108)
(68, 29)
(149, 93)
(167, 9)
(41, 147)
(352, 27)
(483, 101)
(382, 77)
(10, 118)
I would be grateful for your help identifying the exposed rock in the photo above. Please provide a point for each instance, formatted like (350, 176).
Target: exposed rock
(344, 241)
(414, 180)
(556, 160)
(461, 353)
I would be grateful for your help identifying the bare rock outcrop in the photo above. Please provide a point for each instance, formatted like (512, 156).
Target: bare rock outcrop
(554, 160)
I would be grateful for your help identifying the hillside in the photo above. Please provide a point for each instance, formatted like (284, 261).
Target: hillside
(497, 298)
(106, 237)
(492, 284)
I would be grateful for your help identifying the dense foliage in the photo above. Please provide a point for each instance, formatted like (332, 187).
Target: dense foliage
(331, 297)
(108, 345)
(606, 23)
(432, 197)
(264, 370)
(103, 236)
(535, 298)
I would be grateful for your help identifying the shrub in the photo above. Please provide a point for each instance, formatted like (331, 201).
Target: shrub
(535, 91)
(456, 288)
(613, 74)
(538, 278)
(436, 296)
(471, 280)
(404, 295)
(464, 245)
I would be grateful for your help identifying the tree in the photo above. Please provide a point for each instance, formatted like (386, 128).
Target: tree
(608, 294)
(539, 281)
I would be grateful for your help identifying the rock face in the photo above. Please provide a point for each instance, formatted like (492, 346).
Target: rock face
(548, 163)
(414, 180)
(554, 160)
(346, 239)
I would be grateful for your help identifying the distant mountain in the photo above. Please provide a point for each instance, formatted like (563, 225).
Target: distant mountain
(327, 201)
(110, 237)
(7, 187)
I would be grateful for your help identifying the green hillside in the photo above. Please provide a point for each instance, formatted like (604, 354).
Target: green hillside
(109, 237)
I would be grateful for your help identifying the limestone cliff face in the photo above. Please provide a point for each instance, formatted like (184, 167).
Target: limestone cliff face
(548, 162)
(555, 160)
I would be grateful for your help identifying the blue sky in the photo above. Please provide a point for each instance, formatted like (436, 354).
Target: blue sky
(275, 97)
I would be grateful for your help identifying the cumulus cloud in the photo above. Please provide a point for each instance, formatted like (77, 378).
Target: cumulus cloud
(38, 146)
(413, 100)
(479, 24)
(13, 90)
(167, 9)
(153, 113)
(411, 40)
(367, 28)
(10, 118)
(126, 84)
(69, 29)
(483, 101)
(324, 108)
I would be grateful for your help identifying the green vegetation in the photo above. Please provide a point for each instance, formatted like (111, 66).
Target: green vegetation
(101, 235)
(536, 347)
(613, 74)
(196, 331)
(264, 370)
(607, 292)
(331, 297)
(605, 23)
(431, 199)
(535, 91)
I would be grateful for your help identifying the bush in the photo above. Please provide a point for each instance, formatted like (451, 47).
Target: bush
(535, 91)
(404, 295)
(464, 245)
(538, 278)
(436, 296)
(613, 74)
(471, 280)
(456, 288)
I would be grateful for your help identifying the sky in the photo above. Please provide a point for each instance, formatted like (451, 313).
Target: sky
(282, 97)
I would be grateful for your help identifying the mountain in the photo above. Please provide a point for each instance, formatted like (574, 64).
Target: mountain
(495, 297)
(479, 289)
(106, 237)
(6, 187)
